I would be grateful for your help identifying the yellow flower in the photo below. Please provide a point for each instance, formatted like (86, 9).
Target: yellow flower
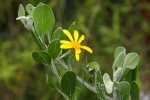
(74, 43)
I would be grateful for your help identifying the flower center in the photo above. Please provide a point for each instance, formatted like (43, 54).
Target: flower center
(75, 45)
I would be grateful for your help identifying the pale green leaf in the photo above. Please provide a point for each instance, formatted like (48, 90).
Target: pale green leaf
(131, 61)
(108, 83)
(21, 11)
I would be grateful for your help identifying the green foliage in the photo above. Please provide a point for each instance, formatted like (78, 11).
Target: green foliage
(30, 9)
(131, 61)
(21, 11)
(41, 57)
(41, 22)
(108, 83)
(119, 56)
(54, 48)
(68, 83)
(44, 20)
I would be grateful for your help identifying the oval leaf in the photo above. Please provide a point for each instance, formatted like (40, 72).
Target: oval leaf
(118, 51)
(119, 60)
(108, 83)
(131, 61)
(44, 20)
(68, 83)
(41, 57)
(54, 48)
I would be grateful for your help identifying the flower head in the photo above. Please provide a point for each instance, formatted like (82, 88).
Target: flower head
(74, 43)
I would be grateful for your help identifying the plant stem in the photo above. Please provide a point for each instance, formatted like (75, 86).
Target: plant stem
(55, 70)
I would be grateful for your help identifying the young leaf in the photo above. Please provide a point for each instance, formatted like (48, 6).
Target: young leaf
(119, 60)
(21, 11)
(99, 85)
(118, 51)
(30, 9)
(54, 48)
(58, 34)
(68, 83)
(108, 83)
(41, 57)
(134, 91)
(131, 61)
(44, 20)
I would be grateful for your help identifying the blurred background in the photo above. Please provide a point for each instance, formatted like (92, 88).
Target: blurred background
(107, 24)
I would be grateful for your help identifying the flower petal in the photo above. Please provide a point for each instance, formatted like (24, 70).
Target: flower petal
(66, 46)
(77, 57)
(81, 39)
(87, 48)
(65, 41)
(68, 34)
(77, 51)
(76, 35)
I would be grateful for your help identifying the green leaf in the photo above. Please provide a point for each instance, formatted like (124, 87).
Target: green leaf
(76, 94)
(108, 83)
(41, 57)
(44, 20)
(125, 88)
(68, 83)
(119, 60)
(58, 34)
(73, 27)
(54, 48)
(30, 9)
(134, 93)
(118, 51)
(99, 85)
(21, 11)
(131, 61)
